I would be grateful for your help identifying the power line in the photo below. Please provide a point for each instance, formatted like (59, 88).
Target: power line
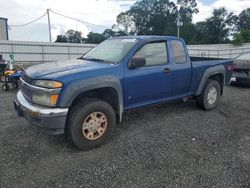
(33, 31)
(21, 25)
(88, 23)
(70, 12)
(60, 14)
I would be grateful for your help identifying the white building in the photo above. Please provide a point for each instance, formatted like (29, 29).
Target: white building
(4, 29)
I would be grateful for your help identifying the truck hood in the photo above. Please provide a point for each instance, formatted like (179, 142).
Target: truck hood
(62, 68)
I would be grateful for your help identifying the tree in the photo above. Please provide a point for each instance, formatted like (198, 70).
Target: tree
(93, 38)
(237, 39)
(244, 19)
(245, 33)
(61, 38)
(218, 31)
(153, 16)
(187, 9)
(108, 33)
(125, 20)
(70, 36)
(188, 33)
(242, 37)
(121, 33)
(156, 17)
(217, 28)
(74, 36)
(202, 33)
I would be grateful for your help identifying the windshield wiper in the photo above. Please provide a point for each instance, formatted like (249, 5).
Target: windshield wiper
(96, 60)
(91, 59)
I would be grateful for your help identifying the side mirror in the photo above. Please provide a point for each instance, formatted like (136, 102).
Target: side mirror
(136, 62)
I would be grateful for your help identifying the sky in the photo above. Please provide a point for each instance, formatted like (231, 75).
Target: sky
(101, 13)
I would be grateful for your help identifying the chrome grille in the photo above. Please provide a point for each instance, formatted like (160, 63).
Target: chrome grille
(26, 91)
(26, 79)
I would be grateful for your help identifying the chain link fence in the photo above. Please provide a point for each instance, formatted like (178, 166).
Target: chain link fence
(31, 53)
(226, 51)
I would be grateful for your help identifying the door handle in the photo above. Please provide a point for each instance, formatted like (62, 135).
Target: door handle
(167, 70)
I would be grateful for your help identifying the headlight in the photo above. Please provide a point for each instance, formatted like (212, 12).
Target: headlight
(48, 84)
(45, 99)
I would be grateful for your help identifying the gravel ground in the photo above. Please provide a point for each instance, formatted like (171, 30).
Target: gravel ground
(169, 145)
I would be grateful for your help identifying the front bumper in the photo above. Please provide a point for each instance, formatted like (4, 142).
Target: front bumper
(51, 120)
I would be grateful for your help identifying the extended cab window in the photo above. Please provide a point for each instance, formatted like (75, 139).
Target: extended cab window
(154, 53)
(178, 51)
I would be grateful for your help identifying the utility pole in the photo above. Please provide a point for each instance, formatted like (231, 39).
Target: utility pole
(179, 24)
(49, 25)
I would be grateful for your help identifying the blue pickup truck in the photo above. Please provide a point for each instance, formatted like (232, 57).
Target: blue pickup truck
(86, 97)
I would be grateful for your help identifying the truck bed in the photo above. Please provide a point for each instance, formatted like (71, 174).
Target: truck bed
(201, 64)
(193, 58)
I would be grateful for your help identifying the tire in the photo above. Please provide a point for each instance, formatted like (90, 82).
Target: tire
(81, 125)
(14, 85)
(5, 87)
(210, 96)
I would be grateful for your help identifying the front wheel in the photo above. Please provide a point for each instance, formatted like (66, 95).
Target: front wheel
(210, 96)
(91, 123)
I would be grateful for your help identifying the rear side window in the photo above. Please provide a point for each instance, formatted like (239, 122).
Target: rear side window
(154, 53)
(178, 51)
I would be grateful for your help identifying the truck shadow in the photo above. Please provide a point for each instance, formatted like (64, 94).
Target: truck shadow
(236, 85)
(137, 118)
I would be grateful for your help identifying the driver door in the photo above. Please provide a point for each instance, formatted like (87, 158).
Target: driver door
(152, 82)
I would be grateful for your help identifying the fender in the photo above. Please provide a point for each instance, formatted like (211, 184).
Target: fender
(220, 69)
(77, 87)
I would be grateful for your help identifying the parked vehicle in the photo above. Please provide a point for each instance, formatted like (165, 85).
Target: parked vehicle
(241, 74)
(86, 97)
(9, 75)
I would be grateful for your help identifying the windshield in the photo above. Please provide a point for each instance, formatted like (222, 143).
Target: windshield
(112, 50)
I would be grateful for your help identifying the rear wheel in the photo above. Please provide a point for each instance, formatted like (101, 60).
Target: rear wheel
(210, 96)
(5, 87)
(91, 123)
